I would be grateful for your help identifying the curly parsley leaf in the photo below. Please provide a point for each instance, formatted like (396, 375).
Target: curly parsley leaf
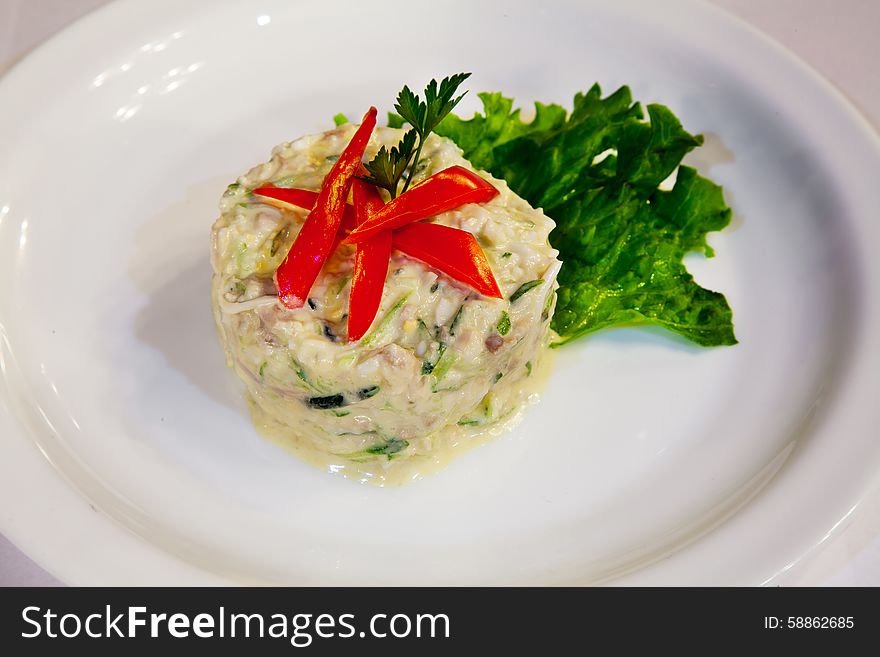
(387, 167)
(439, 102)
(620, 237)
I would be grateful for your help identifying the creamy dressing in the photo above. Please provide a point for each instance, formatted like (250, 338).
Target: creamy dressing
(449, 443)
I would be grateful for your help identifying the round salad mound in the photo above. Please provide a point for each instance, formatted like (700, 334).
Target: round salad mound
(438, 354)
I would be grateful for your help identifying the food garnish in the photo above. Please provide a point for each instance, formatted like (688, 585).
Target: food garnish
(597, 172)
(445, 190)
(376, 226)
(370, 263)
(387, 168)
(454, 252)
(305, 198)
(314, 243)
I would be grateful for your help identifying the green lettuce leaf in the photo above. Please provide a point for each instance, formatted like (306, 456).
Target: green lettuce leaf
(621, 239)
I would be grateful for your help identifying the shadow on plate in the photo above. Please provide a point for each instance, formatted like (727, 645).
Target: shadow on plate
(171, 265)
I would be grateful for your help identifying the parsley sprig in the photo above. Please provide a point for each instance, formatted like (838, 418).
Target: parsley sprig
(389, 166)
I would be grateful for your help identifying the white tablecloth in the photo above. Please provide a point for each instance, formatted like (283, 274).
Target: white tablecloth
(837, 37)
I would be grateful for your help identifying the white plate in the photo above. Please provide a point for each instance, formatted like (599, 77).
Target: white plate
(128, 455)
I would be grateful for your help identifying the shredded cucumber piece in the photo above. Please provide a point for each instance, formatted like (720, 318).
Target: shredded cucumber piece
(525, 287)
(379, 331)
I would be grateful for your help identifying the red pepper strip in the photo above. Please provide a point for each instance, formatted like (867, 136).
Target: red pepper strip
(297, 273)
(444, 191)
(370, 263)
(304, 198)
(454, 252)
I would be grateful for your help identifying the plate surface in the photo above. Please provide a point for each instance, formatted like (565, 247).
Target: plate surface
(128, 453)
